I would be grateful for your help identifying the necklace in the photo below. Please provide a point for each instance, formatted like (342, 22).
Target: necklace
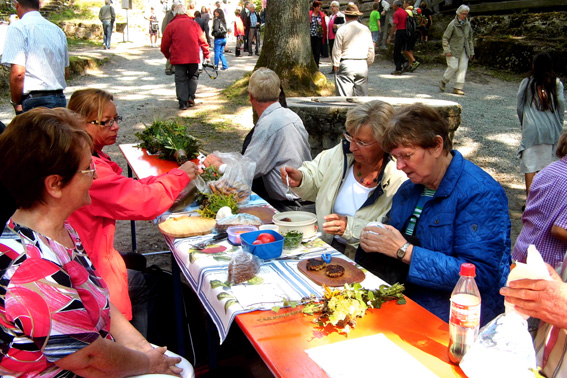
(367, 183)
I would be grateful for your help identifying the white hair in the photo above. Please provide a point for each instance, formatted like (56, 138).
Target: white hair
(179, 9)
(335, 4)
(463, 8)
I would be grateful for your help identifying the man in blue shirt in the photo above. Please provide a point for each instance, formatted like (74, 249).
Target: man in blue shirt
(253, 29)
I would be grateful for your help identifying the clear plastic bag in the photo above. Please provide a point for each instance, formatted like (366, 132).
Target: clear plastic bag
(237, 220)
(243, 267)
(504, 348)
(237, 177)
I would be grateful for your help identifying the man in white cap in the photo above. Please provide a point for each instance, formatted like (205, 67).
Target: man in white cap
(353, 52)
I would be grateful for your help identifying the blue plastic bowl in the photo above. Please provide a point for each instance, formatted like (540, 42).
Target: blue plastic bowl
(264, 251)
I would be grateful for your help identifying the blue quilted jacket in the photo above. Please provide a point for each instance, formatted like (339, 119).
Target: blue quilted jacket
(466, 221)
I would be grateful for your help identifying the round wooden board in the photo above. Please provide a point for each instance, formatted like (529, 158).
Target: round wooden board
(352, 273)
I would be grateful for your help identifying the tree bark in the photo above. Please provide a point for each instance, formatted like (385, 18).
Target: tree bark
(287, 48)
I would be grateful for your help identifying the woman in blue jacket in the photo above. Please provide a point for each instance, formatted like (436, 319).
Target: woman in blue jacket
(449, 212)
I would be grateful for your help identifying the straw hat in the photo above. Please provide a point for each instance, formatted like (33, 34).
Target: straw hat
(352, 10)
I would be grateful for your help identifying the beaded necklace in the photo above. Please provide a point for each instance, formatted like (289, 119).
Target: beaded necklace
(367, 183)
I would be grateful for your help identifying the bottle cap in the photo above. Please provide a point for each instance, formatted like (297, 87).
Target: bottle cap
(468, 270)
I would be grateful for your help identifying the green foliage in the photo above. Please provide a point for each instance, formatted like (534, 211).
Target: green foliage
(214, 201)
(341, 308)
(211, 173)
(78, 10)
(170, 139)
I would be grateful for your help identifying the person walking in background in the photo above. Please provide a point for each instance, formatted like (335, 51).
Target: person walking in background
(253, 29)
(238, 32)
(399, 29)
(374, 23)
(426, 21)
(353, 53)
(386, 13)
(181, 42)
(411, 36)
(107, 16)
(458, 48)
(219, 32)
(540, 107)
(206, 18)
(36, 51)
(318, 30)
(336, 20)
(154, 28)
(245, 17)
(169, 69)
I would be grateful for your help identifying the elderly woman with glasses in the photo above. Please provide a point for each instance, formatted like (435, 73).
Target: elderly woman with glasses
(354, 182)
(57, 320)
(448, 213)
(115, 197)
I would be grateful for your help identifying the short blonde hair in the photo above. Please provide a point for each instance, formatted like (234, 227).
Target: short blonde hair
(335, 4)
(264, 85)
(375, 114)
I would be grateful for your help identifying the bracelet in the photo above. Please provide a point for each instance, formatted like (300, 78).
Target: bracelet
(15, 104)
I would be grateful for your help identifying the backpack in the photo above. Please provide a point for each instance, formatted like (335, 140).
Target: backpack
(411, 26)
(221, 31)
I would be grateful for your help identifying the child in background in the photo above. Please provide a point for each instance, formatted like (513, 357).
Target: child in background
(238, 32)
(374, 23)
(154, 28)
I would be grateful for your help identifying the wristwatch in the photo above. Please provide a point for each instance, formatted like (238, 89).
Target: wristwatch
(14, 104)
(402, 251)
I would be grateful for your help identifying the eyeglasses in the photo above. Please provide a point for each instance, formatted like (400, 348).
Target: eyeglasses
(405, 157)
(360, 144)
(108, 123)
(90, 171)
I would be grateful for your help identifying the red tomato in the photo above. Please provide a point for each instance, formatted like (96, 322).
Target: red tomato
(266, 238)
(256, 242)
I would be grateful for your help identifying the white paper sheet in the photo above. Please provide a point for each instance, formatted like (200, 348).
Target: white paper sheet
(369, 356)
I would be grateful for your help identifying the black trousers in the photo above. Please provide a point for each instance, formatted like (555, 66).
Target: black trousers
(399, 45)
(186, 79)
(316, 47)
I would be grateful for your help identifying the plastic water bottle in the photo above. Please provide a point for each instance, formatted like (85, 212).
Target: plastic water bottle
(464, 321)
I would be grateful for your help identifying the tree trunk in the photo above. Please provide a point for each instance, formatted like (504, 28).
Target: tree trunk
(287, 48)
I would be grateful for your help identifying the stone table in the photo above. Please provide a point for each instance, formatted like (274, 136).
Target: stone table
(324, 117)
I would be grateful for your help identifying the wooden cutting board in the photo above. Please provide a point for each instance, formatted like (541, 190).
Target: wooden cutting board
(352, 273)
(263, 212)
(185, 226)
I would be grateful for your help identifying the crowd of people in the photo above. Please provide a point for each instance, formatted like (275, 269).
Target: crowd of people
(70, 305)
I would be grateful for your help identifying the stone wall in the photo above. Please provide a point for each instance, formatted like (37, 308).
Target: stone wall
(324, 117)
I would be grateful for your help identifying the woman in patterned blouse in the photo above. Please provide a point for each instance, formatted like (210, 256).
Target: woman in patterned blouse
(54, 309)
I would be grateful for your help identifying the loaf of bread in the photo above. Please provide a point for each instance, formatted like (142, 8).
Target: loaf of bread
(184, 226)
(242, 267)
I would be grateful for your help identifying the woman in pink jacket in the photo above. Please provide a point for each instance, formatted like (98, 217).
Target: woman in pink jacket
(115, 197)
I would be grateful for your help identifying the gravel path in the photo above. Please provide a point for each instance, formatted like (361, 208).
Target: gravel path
(489, 134)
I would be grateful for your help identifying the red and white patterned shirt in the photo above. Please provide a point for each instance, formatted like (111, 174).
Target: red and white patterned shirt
(52, 303)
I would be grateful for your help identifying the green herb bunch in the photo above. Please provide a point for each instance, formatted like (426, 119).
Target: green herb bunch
(212, 203)
(211, 173)
(170, 139)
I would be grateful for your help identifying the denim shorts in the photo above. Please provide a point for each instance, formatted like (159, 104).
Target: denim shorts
(375, 35)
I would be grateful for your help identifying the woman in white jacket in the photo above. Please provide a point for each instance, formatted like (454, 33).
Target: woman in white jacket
(352, 183)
